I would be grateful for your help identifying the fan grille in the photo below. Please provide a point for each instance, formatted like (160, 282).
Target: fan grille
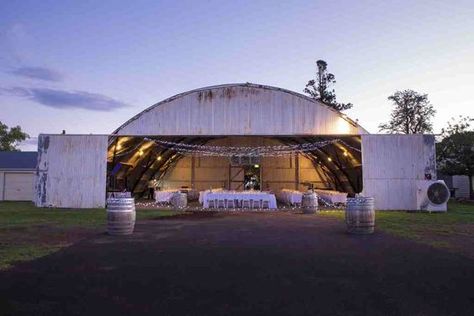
(438, 193)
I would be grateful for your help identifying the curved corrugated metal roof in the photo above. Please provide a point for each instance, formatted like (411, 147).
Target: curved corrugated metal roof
(248, 85)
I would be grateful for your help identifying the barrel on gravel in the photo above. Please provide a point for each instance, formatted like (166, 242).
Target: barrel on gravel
(120, 216)
(180, 200)
(309, 202)
(360, 215)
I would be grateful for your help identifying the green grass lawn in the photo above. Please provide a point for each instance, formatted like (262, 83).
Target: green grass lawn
(27, 232)
(452, 230)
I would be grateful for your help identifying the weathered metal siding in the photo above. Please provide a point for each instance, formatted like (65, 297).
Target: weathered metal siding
(240, 109)
(71, 171)
(17, 185)
(2, 183)
(461, 183)
(391, 165)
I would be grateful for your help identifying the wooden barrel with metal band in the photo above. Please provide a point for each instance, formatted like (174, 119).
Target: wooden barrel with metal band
(309, 202)
(360, 215)
(121, 216)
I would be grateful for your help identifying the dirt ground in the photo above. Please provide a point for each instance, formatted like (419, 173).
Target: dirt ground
(242, 264)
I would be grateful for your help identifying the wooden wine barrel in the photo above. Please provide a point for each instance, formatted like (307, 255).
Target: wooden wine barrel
(120, 216)
(360, 215)
(180, 200)
(309, 202)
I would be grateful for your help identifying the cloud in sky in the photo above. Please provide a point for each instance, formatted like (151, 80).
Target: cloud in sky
(41, 73)
(15, 42)
(61, 99)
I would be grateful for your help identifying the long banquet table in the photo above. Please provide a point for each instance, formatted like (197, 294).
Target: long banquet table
(291, 197)
(202, 194)
(239, 196)
(332, 196)
(165, 196)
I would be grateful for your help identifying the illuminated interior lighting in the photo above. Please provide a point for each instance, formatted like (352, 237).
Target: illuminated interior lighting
(329, 159)
(345, 153)
(257, 166)
(118, 147)
(140, 153)
(158, 158)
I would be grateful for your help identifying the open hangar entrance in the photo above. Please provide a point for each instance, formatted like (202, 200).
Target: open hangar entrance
(132, 161)
(73, 170)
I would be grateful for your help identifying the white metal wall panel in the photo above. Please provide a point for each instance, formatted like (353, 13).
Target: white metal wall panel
(19, 186)
(2, 182)
(391, 164)
(71, 171)
(461, 183)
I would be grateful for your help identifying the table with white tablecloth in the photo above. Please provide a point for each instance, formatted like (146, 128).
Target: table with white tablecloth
(164, 196)
(332, 196)
(290, 197)
(202, 194)
(239, 196)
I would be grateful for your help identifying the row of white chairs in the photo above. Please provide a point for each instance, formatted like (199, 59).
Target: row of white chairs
(231, 203)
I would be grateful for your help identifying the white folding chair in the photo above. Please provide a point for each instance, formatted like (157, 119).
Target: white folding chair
(220, 203)
(253, 204)
(257, 204)
(230, 203)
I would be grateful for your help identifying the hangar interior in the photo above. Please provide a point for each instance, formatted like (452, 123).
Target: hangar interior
(132, 161)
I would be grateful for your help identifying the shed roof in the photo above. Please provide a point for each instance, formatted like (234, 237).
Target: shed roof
(18, 159)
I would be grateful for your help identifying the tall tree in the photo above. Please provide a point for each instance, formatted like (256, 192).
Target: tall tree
(319, 88)
(455, 151)
(412, 114)
(11, 138)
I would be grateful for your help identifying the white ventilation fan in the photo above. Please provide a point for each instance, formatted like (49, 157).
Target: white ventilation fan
(432, 196)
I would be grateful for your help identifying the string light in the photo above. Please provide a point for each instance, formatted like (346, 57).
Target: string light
(258, 151)
(230, 151)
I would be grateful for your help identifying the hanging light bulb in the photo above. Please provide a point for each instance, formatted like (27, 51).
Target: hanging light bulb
(329, 159)
(257, 166)
(158, 158)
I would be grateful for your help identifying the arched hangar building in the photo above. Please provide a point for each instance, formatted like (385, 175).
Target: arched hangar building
(75, 171)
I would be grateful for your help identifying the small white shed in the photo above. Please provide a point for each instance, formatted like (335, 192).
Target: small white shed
(17, 175)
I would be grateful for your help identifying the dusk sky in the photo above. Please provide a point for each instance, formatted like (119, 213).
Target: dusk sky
(88, 66)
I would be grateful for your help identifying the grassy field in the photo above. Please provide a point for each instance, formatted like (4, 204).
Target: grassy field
(27, 232)
(453, 230)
